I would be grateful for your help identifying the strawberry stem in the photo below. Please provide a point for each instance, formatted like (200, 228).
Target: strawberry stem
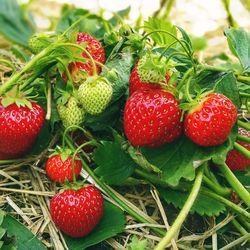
(66, 70)
(187, 93)
(184, 78)
(183, 213)
(183, 187)
(223, 191)
(239, 227)
(177, 39)
(243, 138)
(243, 125)
(242, 150)
(165, 49)
(235, 184)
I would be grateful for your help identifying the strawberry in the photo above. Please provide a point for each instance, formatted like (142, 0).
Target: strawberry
(94, 47)
(71, 113)
(135, 83)
(235, 160)
(77, 213)
(152, 118)
(20, 124)
(209, 123)
(95, 94)
(59, 166)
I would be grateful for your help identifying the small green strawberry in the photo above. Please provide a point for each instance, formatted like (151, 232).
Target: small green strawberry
(95, 94)
(71, 113)
(39, 41)
(152, 69)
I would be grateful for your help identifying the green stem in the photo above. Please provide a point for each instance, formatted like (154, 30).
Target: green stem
(106, 189)
(236, 242)
(170, 34)
(243, 138)
(242, 150)
(235, 184)
(244, 79)
(229, 204)
(184, 78)
(239, 227)
(165, 50)
(157, 181)
(223, 191)
(212, 68)
(243, 125)
(187, 93)
(168, 9)
(66, 70)
(244, 222)
(244, 94)
(183, 213)
(6, 86)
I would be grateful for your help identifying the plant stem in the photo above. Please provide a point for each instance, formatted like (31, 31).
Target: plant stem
(236, 242)
(239, 227)
(6, 86)
(168, 9)
(105, 188)
(243, 138)
(243, 125)
(244, 94)
(187, 93)
(242, 150)
(183, 213)
(244, 79)
(229, 204)
(184, 78)
(224, 191)
(235, 184)
(157, 181)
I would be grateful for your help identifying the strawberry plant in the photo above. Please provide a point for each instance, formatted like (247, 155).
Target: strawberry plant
(124, 109)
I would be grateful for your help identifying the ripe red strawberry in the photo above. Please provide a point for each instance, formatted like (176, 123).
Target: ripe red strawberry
(77, 213)
(135, 82)
(94, 47)
(59, 166)
(152, 118)
(19, 128)
(210, 122)
(235, 160)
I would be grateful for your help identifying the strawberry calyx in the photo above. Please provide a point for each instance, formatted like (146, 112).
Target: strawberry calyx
(152, 69)
(76, 185)
(21, 99)
(64, 153)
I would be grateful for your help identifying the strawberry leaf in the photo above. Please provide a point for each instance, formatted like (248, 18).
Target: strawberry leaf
(239, 44)
(23, 238)
(202, 204)
(160, 38)
(227, 85)
(179, 159)
(116, 169)
(112, 223)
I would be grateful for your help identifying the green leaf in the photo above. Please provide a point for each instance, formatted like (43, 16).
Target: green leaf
(122, 14)
(137, 244)
(178, 160)
(239, 44)
(161, 38)
(114, 164)
(112, 223)
(203, 204)
(8, 247)
(186, 38)
(20, 54)
(24, 239)
(16, 24)
(121, 65)
(2, 232)
(2, 214)
(227, 85)
(199, 43)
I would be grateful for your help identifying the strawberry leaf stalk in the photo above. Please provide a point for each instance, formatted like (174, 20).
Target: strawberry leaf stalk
(21, 121)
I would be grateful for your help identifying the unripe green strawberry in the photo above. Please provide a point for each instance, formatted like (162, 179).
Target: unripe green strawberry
(95, 94)
(151, 69)
(71, 113)
(40, 41)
